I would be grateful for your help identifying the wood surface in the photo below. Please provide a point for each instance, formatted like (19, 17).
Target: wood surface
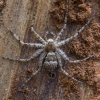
(18, 16)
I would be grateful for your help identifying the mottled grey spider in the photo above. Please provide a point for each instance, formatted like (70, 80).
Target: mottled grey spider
(49, 53)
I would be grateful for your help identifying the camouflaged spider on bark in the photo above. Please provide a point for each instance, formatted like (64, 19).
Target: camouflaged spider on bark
(49, 51)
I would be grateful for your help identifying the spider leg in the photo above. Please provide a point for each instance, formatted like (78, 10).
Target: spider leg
(69, 75)
(77, 33)
(42, 56)
(38, 45)
(38, 36)
(38, 52)
(64, 27)
(60, 64)
(45, 36)
(54, 36)
(64, 56)
(34, 73)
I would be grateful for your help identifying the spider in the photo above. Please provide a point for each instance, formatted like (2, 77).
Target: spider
(49, 52)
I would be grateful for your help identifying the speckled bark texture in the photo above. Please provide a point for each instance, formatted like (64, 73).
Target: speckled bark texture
(18, 16)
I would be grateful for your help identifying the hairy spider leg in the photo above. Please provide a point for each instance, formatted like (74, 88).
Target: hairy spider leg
(77, 33)
(47, 32)
(38, 36)
(34, 73)
(38, 52)
(45, 36)
(64, 56)
(41, 58)
(70, 75)
(54, 36)
(67, 74)
(37, 45)
(64, 27)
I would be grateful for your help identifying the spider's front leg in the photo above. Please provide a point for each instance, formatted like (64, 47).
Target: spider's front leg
(38, 36)
(64, 27)
(64, 56)
(60, 65)
(41, 58)
(38, 52)
(77, 33)
(37, 45)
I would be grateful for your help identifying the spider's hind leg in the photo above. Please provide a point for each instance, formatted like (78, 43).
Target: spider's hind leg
(60, 64)
(33, 74)
(70, 76)
(42, 56)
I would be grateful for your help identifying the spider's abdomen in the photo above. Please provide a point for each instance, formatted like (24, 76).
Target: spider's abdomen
(50, 62)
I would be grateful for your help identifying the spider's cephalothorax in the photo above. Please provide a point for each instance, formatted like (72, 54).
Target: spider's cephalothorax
(50, 46)
(49, 53)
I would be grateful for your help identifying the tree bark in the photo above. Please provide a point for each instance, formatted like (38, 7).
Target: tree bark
(18, 16)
